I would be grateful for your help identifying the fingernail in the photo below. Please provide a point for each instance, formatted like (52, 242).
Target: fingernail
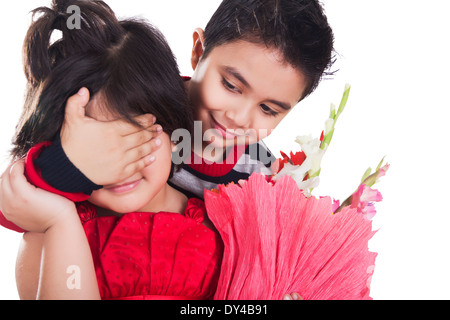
(287, 297)
(158, 142)
(159, 129)
(149, 160)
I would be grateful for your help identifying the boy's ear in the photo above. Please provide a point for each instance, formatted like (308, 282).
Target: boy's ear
(198, 47)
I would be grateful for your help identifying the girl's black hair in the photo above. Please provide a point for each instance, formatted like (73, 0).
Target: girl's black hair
(128, 62)
(298, 28)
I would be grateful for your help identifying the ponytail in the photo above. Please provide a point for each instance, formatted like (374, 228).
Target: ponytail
(96, 25)
(55, 71)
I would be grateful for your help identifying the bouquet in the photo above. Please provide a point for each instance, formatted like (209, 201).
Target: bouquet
(279, 238)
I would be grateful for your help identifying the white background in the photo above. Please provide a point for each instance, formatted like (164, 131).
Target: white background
(395, 54)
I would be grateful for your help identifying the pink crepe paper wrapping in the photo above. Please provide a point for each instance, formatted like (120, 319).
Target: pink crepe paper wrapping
(278, 241)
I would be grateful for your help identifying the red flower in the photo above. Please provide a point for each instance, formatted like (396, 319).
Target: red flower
(276, 240)
(295, 159)
(298, 158)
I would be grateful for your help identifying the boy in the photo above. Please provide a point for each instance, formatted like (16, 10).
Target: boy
(253, 63)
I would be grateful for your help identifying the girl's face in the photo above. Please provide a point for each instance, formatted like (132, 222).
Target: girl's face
(241, 91)
(146, 190)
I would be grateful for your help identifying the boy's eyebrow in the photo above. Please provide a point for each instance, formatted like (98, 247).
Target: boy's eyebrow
(235, 73)
(283, 105)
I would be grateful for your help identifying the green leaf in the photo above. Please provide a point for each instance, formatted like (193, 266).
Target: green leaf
(380, 164)
(344, 100)
(316, 174)
(366, 174)
(333, 111)
(327, 139)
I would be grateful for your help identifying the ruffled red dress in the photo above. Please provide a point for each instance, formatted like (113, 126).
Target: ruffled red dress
(147, 256)
(144, 255)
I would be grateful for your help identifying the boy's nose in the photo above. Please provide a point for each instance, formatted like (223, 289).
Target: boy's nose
(240, 117)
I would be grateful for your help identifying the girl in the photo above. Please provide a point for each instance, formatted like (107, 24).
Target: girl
(145, 240)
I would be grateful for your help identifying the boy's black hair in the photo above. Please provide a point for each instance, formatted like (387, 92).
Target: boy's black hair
(298, 28)
(128, 63)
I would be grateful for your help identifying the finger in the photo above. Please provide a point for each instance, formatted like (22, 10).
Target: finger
(4, 173)
(125, 127)
(139, 165)
(4, 179)
(3, 194)
(134, 160)
(76, 105)
(17, 180)
(141, 151)
(5, 187)
(296, 296)
(292, 296)
(140, 138)
(145, 120)
(128, 129)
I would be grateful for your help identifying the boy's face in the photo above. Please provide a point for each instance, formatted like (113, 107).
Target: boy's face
(242, 91)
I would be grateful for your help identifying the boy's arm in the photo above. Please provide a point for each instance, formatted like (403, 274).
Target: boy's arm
(63, 165)
(89, 153)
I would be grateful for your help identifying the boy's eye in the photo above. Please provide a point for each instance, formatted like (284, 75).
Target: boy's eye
(229, 86)
(267, 110)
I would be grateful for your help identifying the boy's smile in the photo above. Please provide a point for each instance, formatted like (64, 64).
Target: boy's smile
(222, 130)
(242, 91)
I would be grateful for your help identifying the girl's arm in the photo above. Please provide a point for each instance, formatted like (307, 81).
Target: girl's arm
(50, 269)
(54, 260)
(28, 265)
(67, 270)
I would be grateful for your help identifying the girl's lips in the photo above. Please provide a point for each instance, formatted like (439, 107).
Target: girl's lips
(124, 188)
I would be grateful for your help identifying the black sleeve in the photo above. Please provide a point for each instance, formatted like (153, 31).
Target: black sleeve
(60, 173)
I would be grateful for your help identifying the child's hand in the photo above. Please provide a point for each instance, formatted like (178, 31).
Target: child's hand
(28, 207)
(107, 152)
(293, 296)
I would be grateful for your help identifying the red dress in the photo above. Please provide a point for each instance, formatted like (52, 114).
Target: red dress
(144, 255)
(154, 255)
